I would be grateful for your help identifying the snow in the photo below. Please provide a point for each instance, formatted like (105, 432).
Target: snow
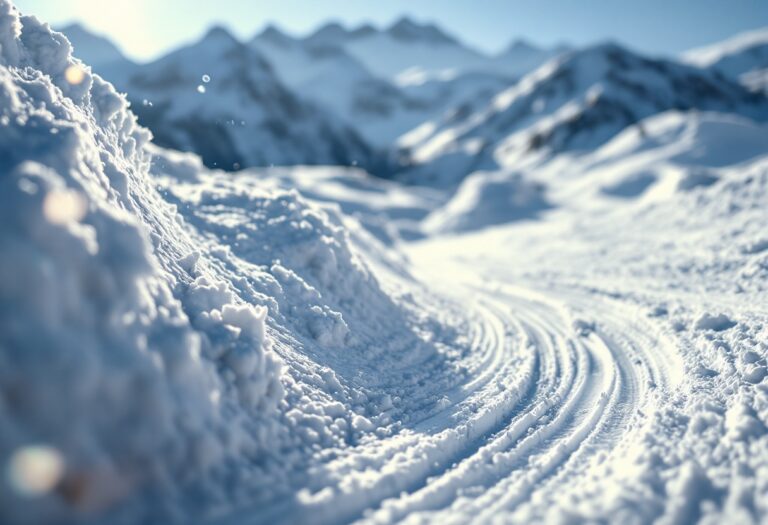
(743, 57)
(662, 284)
(485, 199)
(716, 53)
(241, 116)
(575, 334)
(212, 352)
(573, 103)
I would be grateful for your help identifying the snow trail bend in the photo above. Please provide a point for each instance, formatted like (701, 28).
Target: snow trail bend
(556, 383)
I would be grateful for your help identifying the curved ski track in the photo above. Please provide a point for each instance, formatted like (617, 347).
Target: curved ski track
(549, 391)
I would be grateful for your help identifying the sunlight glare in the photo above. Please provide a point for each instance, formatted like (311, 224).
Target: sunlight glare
(123, 22)
(35, 470)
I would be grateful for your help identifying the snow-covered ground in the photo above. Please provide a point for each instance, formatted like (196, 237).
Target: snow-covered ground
(582, 337)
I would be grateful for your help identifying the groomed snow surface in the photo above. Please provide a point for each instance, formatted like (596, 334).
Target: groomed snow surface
(585, 342)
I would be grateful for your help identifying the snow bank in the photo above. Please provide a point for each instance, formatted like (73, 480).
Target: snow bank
(139, 375)
(102, 361)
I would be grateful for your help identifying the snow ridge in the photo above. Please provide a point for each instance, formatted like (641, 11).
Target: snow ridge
(213, 340)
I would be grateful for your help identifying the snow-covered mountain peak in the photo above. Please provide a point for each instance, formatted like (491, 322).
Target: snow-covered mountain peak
(407, 30)
(276, 36)
(223, 100)
(330, 34)
(219, 35)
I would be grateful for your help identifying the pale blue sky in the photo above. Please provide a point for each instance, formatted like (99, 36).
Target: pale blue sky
(145, 28)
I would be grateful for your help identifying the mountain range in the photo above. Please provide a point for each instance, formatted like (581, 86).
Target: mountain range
(411, 100)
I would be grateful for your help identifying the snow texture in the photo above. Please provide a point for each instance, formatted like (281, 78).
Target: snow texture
(564, 323)
(177, 352)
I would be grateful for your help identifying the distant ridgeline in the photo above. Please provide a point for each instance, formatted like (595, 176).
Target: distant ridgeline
(409, 101)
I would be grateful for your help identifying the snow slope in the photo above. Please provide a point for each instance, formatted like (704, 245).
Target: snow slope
(648, 399)
(571, 104)
(181, 345)
(743, 57)
(668, 153)
(170, 355)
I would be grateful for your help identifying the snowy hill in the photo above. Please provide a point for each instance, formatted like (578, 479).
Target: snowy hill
(667, 154)
(659, 159)
(743, 57)
(487, 199)
(571, 104)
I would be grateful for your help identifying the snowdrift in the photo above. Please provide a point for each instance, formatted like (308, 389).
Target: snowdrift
(487, 199)
(164, 355)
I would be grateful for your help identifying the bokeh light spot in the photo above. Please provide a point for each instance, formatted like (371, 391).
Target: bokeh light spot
(35, 470)
(74, 74)
(64, 207)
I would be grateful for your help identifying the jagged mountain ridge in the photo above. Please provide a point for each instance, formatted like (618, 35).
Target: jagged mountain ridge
(574, 103)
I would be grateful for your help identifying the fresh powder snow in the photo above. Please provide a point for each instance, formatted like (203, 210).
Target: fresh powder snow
(525, 288)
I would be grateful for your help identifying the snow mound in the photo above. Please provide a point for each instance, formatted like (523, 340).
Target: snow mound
(487, 199)
(692, 138)
(91, 291)
(718, 322)
(163, 360)
(669, 153)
